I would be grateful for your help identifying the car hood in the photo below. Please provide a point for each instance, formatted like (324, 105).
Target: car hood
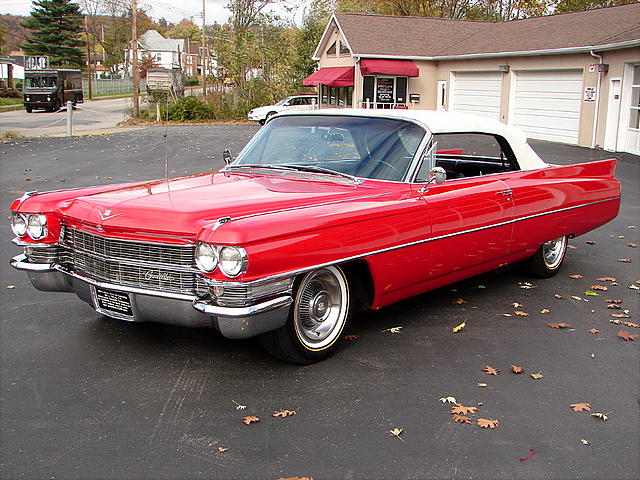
(184, 205)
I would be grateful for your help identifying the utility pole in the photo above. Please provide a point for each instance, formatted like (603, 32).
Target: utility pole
(134, 52)
(204, 67)
(86, 35)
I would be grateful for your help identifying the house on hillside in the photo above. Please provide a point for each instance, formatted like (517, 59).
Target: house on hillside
(571, 78)
(166, 52)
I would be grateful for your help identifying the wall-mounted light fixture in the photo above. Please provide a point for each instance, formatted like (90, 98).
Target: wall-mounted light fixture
(504, 68)
(602, 67)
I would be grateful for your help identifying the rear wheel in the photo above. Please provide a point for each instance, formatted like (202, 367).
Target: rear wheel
(269, 115)
(28, 109)
(320, 313)
(547, 260)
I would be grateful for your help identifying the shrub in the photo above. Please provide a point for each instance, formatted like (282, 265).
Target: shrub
(189, 108)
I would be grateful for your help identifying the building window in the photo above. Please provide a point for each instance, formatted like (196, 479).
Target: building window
(344, 50)
(634, 113)
(331, 52)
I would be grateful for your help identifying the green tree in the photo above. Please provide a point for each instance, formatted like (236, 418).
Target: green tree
(185, 29)
(307, 37)
(56, 27)
(564, 6)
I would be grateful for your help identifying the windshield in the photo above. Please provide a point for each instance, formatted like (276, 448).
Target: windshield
(378, 148)
(283, 101)
(41, 82)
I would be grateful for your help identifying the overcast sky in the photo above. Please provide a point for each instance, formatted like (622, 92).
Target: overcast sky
(171, 10)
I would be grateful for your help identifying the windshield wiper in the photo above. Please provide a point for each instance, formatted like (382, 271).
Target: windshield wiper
(295, 167)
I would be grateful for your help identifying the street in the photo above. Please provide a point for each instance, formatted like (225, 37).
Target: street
(85, 396)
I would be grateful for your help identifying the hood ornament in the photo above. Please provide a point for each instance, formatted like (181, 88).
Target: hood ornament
(107, 215)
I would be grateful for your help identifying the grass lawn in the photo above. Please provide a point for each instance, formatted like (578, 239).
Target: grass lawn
(10, 101)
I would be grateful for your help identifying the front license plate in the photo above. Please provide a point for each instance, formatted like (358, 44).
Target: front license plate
(117, 302)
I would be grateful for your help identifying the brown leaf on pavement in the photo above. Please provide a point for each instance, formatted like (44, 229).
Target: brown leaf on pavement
(517, 369)
(624, 260)
(633, 245)
(593, 331)
(459, 301)
(460, 418)
(606, 279)
(623, 334)
(631, 324)
(620, 315)
(614, 306)
(488, 423)
(461, 409)
(581, 407)
(602, 288)
(590, 242)
(283, 413)
(609, 300)
(520, 313)
(559, 325)
(576, 276)
(489, 370)
(250, 419)
(294, 478)
(351, 337)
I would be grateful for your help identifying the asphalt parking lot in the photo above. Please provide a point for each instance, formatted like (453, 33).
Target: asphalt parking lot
(86, 397)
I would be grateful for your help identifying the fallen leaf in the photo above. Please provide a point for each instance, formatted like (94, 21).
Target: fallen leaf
(506, 315)
(575, 297)
(576, 276)
(614, 306)
(545, 310)
(459, 301)
(250, 419)
(10, 287)
(456, 329)
(526, 285)
(617, 322)
(600, 416)
(520, 313)
(222, 449)
(558, 296)
(593, 355)
(593, 331)
(488, 423)
(516, 305)
(631, 324)
(351, 337)
(602, 288)
(590, 242)
(489, 370)
(396, 432)
(613, 301)
(483, 385)
(623, 334)
(624, 260)
(294, 478)
(591, 293)
(461, 409)
(448, 399)
(559, 325)
(606, 279)
(584, 442)
(461, 418)
(238, 406)
(393, 330)
(572, 247)
(581, 407)
(634, 287)
(283, 413)
(537, 376)
(517, 369)
(533, 452)
(633, 245)
(620, 315)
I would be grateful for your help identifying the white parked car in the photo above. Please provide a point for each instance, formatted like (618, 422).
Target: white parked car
(261, 114)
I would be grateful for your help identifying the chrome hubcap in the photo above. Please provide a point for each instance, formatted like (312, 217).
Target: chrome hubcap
(321, 307)
(553, 251)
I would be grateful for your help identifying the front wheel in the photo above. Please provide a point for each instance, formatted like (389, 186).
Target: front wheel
(546, 261)
(320, 312)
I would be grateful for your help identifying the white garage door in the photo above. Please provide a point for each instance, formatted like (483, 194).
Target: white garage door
(478, 93)
(547, 104)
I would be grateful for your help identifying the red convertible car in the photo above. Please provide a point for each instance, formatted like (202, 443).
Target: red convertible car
(321, 214)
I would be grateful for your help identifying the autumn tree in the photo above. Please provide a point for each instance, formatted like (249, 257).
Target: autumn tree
(185, 29)
(4, 46)
(564, 6)
(145, 64)
(56, 26)
(308, 35)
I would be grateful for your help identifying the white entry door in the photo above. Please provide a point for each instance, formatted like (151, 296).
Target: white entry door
(547, 104)
(479, 93)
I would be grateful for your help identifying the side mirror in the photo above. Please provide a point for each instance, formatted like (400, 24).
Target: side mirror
(226, 156)
(437, 175)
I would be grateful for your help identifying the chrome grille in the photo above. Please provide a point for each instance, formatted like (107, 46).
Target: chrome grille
(50, 254)
(233, 296)
(165, 268)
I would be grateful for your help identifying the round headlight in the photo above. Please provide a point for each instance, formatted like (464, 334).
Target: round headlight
(18, 225)
(233, 261)
(206, 257)
(37, 226)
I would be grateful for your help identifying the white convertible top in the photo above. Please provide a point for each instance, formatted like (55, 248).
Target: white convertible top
(447, 122)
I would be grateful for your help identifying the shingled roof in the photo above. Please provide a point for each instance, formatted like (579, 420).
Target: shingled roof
(384, 35)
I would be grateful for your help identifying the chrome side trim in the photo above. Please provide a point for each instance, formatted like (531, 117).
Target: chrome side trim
(123, 288)
(262, 307)
(19, 262)
(419, 242)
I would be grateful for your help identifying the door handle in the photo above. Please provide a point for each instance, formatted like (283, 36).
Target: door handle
(506, 193)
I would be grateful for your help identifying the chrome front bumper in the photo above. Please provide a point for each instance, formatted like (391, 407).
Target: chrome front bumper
(163, 307)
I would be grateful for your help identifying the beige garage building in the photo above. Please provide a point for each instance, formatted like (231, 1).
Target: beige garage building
(572, 78)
